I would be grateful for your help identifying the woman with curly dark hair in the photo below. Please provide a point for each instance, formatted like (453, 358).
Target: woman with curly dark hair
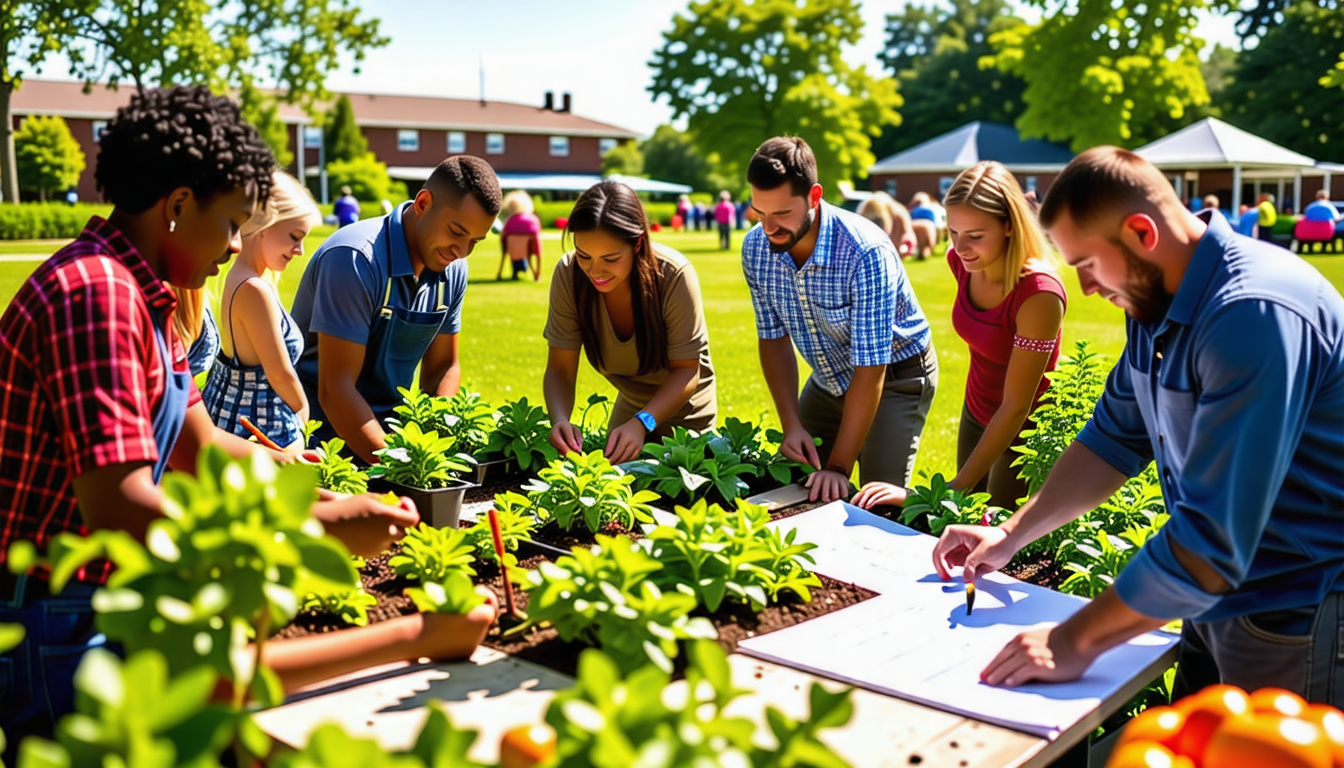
(98, 401)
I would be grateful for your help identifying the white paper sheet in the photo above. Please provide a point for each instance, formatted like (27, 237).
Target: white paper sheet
(916, 640)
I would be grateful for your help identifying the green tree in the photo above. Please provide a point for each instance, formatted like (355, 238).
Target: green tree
(1276, 90)
(263, 112)
(29, 30)
(1099, 72)
(623, 159)
(741, 72)
(670, 155)
(934, 52)
(226, 44)
(1258, 18)
(343, 138)
(367, 179)
(49, 158)
(1218, 69)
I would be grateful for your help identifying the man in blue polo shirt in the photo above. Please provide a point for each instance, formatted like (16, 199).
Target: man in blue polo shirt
(1232, 379)
(383, 296)
(830, 281)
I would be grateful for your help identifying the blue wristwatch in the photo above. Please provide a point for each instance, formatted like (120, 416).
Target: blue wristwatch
(647, 420)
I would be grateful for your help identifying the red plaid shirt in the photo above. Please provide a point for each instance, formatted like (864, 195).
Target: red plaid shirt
(80, 377)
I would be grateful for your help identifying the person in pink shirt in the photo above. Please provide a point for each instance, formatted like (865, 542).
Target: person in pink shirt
(1010, 311)
(724, 214)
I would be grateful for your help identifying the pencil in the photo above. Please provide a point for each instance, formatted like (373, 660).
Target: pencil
(261, 436)
(970, 597)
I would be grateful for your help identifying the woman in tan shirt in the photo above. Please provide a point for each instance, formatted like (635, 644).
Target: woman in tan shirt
(634, 308)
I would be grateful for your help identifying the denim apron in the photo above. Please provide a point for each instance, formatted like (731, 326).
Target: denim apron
(37, 678)
(398, 340)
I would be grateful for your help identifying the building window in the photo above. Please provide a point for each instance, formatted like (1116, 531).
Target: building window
(408, 141)
(606, 145)
(494, 143)
(312, 137)
(891, 187)
(559, 146)
(98, 126)
(457, 142)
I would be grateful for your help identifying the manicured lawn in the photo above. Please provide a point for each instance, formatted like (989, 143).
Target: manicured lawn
(504, 354)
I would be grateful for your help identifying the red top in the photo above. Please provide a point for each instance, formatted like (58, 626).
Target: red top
(989, 334)
(80, 376)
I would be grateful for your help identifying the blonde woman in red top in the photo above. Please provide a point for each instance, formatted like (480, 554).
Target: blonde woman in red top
(1009, 310)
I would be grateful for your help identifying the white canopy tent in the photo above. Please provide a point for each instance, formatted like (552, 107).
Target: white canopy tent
(1213, 144)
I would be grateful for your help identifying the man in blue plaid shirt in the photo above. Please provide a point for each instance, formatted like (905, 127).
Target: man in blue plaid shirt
(830, 281)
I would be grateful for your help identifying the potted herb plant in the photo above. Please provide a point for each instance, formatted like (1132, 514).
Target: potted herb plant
(520, 442)
(426, 467)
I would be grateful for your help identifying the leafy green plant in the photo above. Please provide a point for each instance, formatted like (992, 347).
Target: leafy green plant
(422, 409)
(760, 449)
(419, 459)
(454, 594)
(606, 596)
(338, 473)
(1075, 386)
(685, 463)
(469, 419)
(219, 570)
(430, 554)
(586, 488)
(611, 719)
(350, 605)
(595, 433)
(940, 506)
(309, 429)
(722, 553)
(522, 433)
(516, 521)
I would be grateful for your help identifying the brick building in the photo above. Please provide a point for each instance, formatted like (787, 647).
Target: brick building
(411, 134)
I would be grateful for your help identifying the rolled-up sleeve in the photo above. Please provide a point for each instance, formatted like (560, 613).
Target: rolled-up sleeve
(874, 317)
(1248, 418)
(1116, 432)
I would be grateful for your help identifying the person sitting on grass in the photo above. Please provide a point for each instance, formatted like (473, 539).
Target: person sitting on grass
(382, 298)
(634, 308)
(254, 375)
(99, 402)
(1321, 209)
(1009, 309)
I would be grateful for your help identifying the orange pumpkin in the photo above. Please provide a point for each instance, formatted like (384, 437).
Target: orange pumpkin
(526, 746)
(1160, 725)
(1204, 712)
(1146, 754)
(1267, 740)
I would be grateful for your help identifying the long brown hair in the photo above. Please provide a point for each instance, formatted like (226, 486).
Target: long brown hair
(615, 209)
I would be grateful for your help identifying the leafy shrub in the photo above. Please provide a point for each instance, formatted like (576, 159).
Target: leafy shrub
(595, 431)
(731, 553)
(516, 521)
(605, 596)
(744, 439)
(611, 719)
(940, 506)
(686, 462)
(522, 433)
(218, 570)
(367, 178)
(338, 473)
(1065, 408)
(418, 459)
(430, 554)
(586, 488)
(350, 605)
(455, 594)
(38, 221)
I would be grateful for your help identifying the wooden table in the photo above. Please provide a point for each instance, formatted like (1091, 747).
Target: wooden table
(492, 693)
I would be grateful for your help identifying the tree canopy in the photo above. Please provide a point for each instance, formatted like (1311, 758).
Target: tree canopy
(344, 140)
(49, 159)
(1099, 72)
(1276, 90)
(623, 159)
(669, 155)
(741, 72)
(934, 52)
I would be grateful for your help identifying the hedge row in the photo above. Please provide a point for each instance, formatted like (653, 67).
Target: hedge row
(46, 221)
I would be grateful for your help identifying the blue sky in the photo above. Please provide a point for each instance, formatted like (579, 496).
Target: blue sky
(598, 50)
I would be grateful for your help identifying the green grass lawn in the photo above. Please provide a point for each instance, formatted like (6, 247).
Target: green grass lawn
(504, 355)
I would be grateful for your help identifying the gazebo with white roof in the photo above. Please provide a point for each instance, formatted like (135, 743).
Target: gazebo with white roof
(1204, 151)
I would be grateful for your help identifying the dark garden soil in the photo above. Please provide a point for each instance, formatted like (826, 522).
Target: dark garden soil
(380, 581)
(735, 623)
(493, 486)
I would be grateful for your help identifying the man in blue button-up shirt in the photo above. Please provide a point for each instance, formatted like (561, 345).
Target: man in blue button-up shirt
(1232, 379)
(831, 282)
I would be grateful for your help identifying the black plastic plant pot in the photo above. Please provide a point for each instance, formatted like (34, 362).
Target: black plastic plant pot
(495, 469)
(440, 507)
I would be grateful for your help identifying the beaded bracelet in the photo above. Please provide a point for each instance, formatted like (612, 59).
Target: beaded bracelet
(1033, 345)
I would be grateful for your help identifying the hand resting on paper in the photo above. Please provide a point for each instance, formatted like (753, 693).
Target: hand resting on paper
(978, 549)
(878, 493)
(1042, 654)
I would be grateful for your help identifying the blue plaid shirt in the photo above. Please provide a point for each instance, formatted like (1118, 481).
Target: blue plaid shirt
(849, 305)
